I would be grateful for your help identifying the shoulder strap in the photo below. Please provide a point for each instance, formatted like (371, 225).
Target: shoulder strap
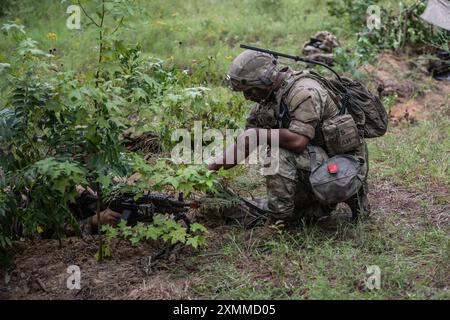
(283, 116)
(336, 88)
(283, 110)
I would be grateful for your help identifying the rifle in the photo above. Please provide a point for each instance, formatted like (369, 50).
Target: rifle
(142, 207)
(138, 207)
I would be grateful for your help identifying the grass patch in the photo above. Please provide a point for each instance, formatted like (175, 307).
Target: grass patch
(317, 264)
(196, 35)
(413, 156)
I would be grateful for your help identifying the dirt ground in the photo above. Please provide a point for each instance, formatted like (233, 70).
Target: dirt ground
(39, 269)
(418, 96)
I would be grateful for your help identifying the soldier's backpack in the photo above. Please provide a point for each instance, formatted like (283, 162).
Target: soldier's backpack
(365, 108)
(339, 178)
(361, 114)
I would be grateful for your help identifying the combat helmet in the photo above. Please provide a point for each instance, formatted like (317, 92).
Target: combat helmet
(252, 69)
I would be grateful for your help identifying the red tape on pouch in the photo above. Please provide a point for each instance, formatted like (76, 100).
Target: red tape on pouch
(332, 168)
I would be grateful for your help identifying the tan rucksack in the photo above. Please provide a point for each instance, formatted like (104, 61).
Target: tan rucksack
(353, 98)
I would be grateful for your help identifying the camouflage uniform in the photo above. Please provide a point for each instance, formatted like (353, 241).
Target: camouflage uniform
(320, 47)
(289, 192)
(86, 226)
(83, 216)
(84, 209)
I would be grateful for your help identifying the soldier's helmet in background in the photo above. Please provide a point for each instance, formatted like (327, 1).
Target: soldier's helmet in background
(252, 69)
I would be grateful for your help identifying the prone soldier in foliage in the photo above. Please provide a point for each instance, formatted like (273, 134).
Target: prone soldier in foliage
(312, 126)
(131, 207)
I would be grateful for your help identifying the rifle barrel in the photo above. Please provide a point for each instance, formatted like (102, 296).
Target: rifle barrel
(274, 53)
(295, 58)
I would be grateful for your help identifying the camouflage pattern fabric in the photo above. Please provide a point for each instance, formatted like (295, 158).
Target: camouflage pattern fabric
(320, 47)
(86, 226)
(290, 196)
(289, 193)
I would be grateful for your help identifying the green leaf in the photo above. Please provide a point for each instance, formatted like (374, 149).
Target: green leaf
(75, 95)
(159, 220)
(178, 235)
(126, 231)
(106, 250)
(105, 181)
(196, 241)
(193, 242)
(135, 240)
(110, 231)
(198, 227)
(139, 94)
(151, 82)
(171, 224)
(122, 224)
(153, 233)
(173, 181)
(222, 172)
(102, 123)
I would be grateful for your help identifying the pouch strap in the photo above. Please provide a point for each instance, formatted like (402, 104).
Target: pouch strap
(312, 156)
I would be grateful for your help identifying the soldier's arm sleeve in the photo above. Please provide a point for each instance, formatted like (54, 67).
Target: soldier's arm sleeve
(86, 226)
(251, 121)
(304, 110)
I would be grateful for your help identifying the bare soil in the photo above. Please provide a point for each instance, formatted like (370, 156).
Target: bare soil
(418, 95)
(39, 269)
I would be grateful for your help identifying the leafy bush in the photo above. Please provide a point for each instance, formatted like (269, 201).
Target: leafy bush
(4, 5)
(60, 129)
(399, 27)
(352, 11)
(162, 228)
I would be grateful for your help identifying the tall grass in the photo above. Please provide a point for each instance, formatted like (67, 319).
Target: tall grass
(183, 32)
(414, 156)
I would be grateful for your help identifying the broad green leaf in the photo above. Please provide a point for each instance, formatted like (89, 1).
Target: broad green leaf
(198, 227)
(193, 242)
(105, 181)
(153, 233)
(178, 235)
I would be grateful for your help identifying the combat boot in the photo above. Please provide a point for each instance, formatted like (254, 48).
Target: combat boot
(359, 205)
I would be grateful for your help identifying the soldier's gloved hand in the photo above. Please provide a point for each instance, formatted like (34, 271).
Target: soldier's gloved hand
(106, 217)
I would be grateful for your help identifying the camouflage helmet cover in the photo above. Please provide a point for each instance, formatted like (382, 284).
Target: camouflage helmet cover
(252, 69)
